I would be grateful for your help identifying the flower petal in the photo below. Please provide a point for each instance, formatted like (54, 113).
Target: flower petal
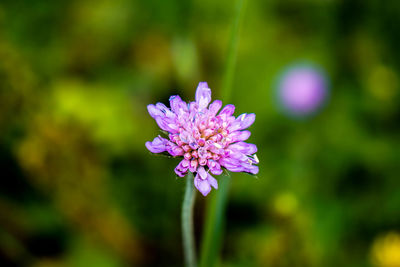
(212, 181)
(228, 110)
(215, 167)
(247, 121)
(202, 172)
(239, 136)
(253, 169)
(153, 111)
(235, 168)
(164, 109)
(182, 168)
(173, 149)
(237, 155)
(231, 164)
(157, 145)
(202, 185)
(244, 148)
(178, 106)
(167, 124)
(242, 122)
(214, 107)
(160, 110)
(203, 95)
(235, 165)
(193, 165)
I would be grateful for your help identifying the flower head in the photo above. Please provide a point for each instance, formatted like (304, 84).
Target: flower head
(206, 140)
(302, 89)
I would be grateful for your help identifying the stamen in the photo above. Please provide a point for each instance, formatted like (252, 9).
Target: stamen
(256, 158)
(217, 145)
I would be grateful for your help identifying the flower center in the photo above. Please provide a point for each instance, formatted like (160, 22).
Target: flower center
(203, 140)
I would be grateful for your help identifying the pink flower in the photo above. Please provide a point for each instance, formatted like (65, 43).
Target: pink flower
(207, 142)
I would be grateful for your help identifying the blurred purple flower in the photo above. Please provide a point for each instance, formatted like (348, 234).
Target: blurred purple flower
(206, 141)
(302, 90)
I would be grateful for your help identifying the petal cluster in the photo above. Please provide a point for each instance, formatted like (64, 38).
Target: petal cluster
(207, 140)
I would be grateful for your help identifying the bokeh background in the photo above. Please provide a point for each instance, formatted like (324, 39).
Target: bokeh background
(78, 187)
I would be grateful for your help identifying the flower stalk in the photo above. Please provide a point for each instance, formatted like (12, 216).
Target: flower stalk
(189, 249)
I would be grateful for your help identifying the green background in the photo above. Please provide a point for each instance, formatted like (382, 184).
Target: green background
(79, 188)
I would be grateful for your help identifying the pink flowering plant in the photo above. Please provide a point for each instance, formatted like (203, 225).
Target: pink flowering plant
(207, 141)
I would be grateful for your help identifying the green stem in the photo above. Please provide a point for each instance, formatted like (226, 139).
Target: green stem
(189, 249)
(214, 221)
(230, 63)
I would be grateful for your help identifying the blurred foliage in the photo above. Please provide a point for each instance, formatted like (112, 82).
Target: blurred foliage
(80, 189)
